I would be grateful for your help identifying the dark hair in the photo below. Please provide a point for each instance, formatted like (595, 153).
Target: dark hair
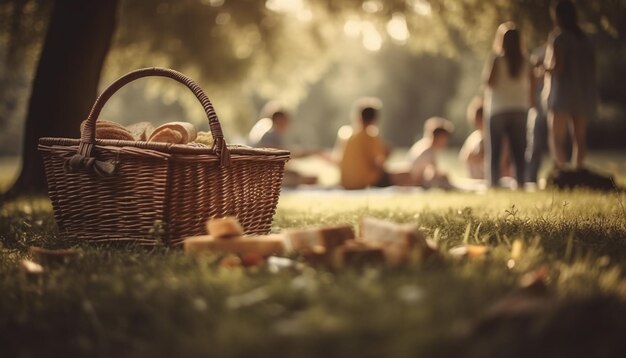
(567, 18)
(369, 115)
(479, 112)
(440, 131)
(278, 114)
(434, 126)
(512, 48)
(474, 109)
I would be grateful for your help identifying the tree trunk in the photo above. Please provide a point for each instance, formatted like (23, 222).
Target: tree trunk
(66, 82)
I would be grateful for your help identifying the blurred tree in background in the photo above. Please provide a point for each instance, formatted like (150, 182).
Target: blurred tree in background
(422, 57)
(66, 78)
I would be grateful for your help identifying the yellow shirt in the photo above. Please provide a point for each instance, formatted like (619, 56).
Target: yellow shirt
(362, 153)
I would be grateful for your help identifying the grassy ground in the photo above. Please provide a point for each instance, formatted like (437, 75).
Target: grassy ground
(134, 302)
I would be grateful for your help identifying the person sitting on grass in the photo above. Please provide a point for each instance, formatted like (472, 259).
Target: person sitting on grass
(363, 155)
(270, 132)
(423, 154)
(473, 150)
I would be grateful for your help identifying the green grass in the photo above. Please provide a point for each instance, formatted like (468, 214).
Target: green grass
(137, 302)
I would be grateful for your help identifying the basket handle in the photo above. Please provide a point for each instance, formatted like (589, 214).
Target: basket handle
(88, 136)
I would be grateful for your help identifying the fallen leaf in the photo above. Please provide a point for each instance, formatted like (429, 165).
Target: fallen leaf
(31, 267)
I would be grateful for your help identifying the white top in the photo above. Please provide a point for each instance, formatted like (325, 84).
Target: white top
(474, 147)
(423, 159)
(507, 94)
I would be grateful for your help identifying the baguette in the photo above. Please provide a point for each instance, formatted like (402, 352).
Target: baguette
(110, 130)
(174, 132)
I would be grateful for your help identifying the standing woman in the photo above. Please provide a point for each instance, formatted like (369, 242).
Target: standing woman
(570, 88)
(507, 99)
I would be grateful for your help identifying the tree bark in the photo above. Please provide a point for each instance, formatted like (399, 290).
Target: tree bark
(66, 80)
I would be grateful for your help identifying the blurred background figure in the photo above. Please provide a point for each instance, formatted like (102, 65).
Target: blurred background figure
(507, 99)
(570, 89)
(258, 130)
(343, 134)
(537, 125)
(364, 153)
(254, 51)
(423, 154)
(270, 131)
(472, 152)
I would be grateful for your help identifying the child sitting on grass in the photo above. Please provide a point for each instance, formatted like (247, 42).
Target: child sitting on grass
(270, 132)
(364, 153)
(473, 150)
(423, 154)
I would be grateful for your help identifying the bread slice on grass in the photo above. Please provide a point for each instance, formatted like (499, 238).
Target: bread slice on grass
(397, 240)
(329, 237)
(264, 245)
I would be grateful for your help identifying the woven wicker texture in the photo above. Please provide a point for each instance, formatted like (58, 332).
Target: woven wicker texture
(112, 190)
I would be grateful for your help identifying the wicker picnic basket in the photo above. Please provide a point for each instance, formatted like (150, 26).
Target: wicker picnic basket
(106, 190)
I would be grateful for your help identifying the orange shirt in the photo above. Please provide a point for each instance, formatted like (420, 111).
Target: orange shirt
(363, 153)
